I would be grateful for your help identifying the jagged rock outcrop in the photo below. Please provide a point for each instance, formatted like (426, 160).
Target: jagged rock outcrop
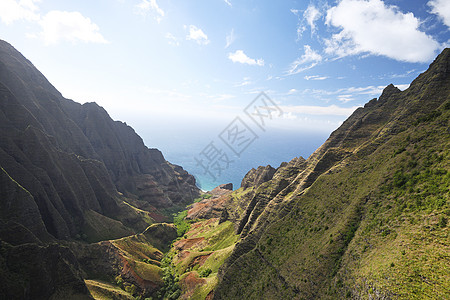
(321, 228)
(212, 206)
(208, 208)
(239, 207)
(221, 190)
(256, 177)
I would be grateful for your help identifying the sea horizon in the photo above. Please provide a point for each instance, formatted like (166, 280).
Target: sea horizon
(271, 148)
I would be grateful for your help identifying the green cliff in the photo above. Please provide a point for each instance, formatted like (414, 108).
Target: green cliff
(365, 216)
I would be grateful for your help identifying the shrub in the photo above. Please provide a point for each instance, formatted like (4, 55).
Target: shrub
(428, 117)
(447, 105)
(182, 225)
(171, 288)
(132, 289)
(205, 273)
(119, 281)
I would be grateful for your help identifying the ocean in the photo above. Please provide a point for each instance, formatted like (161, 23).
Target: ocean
(194, 153)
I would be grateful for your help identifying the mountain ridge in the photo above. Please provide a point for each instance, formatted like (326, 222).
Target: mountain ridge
(40, 127)
(366, 131)
(364, 217)
(70, 174)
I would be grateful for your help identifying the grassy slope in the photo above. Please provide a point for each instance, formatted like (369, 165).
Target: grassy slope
(374, 225)
(141, 257)
(151, 258)
(105, 291)
(218, 243)
(376, 231)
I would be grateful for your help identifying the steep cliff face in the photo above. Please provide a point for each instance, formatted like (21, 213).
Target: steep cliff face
(255, 177)
(365, 216)
(79, 169)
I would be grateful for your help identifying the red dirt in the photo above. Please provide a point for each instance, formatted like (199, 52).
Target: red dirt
(196, 225)
(211, 221)
(208, 208)
(188, 243)
(131, 275)
(199, 260)
(183, 255)
(189, 283)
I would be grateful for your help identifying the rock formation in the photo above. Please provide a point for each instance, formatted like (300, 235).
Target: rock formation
(255, 177)
(69, 172)
(77, 164)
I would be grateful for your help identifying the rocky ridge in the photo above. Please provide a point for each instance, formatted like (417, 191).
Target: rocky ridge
(307, 231)
(71, 173)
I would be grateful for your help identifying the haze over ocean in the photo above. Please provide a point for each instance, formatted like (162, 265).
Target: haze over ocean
(272, 147)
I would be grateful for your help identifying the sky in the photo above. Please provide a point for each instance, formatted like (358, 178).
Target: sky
(186, 69)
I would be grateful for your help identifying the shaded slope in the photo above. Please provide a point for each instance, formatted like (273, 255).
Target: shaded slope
(30, 271)
(69, 172)
(76, 162)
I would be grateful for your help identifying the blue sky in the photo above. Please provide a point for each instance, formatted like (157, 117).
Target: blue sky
(209, 58)
(185, 69)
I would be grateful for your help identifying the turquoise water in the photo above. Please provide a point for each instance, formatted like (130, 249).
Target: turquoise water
(272, 147)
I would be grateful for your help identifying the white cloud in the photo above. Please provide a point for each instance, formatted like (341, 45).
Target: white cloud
(196, 34)
(146, 6)
(228, 3)
(372, 27)
(403, 87)
(230, 39)
(311, 14)
(14, 10)
(315, 77)
(308, 18)
(345, 98)
(240, 57)
(403, 75)
(221, 97)
(289, 116)
(442, 9)
(245, 81)
(55, 25)
(367, 90)
(348, 92)
(172, 39)
(300, 27)
(331, 110)
(311, 58)
(69, 26)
